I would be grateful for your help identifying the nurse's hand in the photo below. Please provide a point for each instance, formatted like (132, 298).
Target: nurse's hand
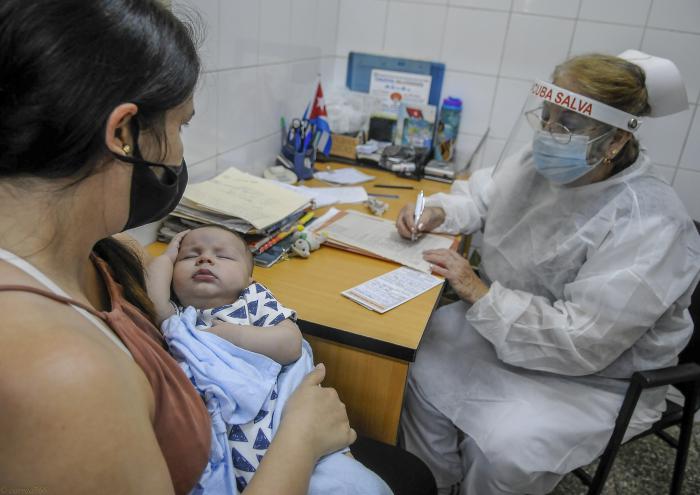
(432, 218)
(458, 272)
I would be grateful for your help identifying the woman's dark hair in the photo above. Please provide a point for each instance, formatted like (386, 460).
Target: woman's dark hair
(64, 66)
(127, 269)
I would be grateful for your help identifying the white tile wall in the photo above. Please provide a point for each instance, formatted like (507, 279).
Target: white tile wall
(474, 40)
(239, 31)
(691, 154)
(611, 39)
(361, 26)
(557, 8)
(632, 12)
(200, 136)
(415, 30)
(484, 4)
(683, 49)
(683, 15)
(262, 59)
(535, 44)
(665, 136)
(686, 185)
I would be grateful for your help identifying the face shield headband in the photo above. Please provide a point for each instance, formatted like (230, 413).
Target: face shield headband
(574, 102)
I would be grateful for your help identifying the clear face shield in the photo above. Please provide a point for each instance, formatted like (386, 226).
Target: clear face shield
(563, 135)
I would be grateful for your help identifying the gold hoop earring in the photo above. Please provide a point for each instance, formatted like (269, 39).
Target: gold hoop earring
(126, 149)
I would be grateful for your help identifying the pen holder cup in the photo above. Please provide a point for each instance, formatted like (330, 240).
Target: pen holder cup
(303, 161)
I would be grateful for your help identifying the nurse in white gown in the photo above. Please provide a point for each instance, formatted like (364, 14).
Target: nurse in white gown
(588, 265)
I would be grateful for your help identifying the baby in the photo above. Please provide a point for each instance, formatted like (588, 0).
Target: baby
(210, 269)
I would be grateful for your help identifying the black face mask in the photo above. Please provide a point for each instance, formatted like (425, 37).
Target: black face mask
(152, 197)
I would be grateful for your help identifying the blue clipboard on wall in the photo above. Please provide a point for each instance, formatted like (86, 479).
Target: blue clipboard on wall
(360, 66)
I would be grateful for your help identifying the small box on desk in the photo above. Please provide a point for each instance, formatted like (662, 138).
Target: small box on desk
(344, 145)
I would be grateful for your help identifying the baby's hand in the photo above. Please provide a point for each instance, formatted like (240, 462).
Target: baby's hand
(174, 246)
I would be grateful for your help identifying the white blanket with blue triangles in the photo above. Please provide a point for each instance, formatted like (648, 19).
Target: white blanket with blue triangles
(255, 306)
(235, 383)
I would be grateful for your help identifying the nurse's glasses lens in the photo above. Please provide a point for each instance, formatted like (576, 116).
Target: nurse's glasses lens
(558, 132)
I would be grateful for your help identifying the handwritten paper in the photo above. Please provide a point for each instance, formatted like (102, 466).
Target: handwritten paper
(387, 291)
(379, 237)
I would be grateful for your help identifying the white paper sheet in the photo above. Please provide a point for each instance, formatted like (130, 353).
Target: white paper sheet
(387, 291)
(325, 196)
(345, 176)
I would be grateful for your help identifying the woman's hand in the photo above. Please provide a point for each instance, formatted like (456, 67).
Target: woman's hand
(316, 416)
(174, 246)
(458, 272)
(432, 218)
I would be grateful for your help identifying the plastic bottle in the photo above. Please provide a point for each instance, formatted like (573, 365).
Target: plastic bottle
(448, 128)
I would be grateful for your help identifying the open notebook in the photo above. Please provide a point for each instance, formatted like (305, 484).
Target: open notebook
(375, 236)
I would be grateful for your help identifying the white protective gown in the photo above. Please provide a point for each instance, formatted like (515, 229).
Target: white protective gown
(587, 285)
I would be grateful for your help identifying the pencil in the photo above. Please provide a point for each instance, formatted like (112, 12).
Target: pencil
(391, 186)
(277, 238)
(283, 234)
(391, 196)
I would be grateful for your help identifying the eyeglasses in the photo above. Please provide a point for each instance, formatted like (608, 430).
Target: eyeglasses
(559, 132)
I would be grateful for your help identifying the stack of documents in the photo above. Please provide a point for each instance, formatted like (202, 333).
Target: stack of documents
(238, 201)
(375, 236)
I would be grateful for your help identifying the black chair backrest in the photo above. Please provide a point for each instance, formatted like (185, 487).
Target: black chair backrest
(691, 353)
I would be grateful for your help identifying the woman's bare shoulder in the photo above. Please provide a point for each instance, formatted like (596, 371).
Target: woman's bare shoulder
(45, 341)
(70, 401)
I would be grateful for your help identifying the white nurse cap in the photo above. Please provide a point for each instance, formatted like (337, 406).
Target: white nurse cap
(663, 81)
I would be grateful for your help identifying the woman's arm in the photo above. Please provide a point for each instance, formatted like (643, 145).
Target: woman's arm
(159, 277)
(76, 413)
(626, 284)
(314, 423)
(462, 210)
(281, 342)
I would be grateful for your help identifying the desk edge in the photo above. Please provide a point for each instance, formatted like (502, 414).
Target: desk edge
(358, 341)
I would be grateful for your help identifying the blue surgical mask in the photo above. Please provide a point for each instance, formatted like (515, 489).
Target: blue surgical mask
(561, 163)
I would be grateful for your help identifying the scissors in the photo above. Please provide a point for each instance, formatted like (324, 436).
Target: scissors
(418, 212)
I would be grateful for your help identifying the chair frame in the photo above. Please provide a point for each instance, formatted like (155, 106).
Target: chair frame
(688, 373)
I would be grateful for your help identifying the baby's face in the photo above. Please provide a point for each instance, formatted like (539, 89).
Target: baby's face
(212, 268)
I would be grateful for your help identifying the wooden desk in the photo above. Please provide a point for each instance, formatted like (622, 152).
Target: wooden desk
(366, 354)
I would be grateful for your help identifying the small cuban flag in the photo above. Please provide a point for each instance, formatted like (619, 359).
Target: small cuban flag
(318, 117)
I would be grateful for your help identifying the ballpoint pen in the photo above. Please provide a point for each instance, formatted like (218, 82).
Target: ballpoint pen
(418, 212)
